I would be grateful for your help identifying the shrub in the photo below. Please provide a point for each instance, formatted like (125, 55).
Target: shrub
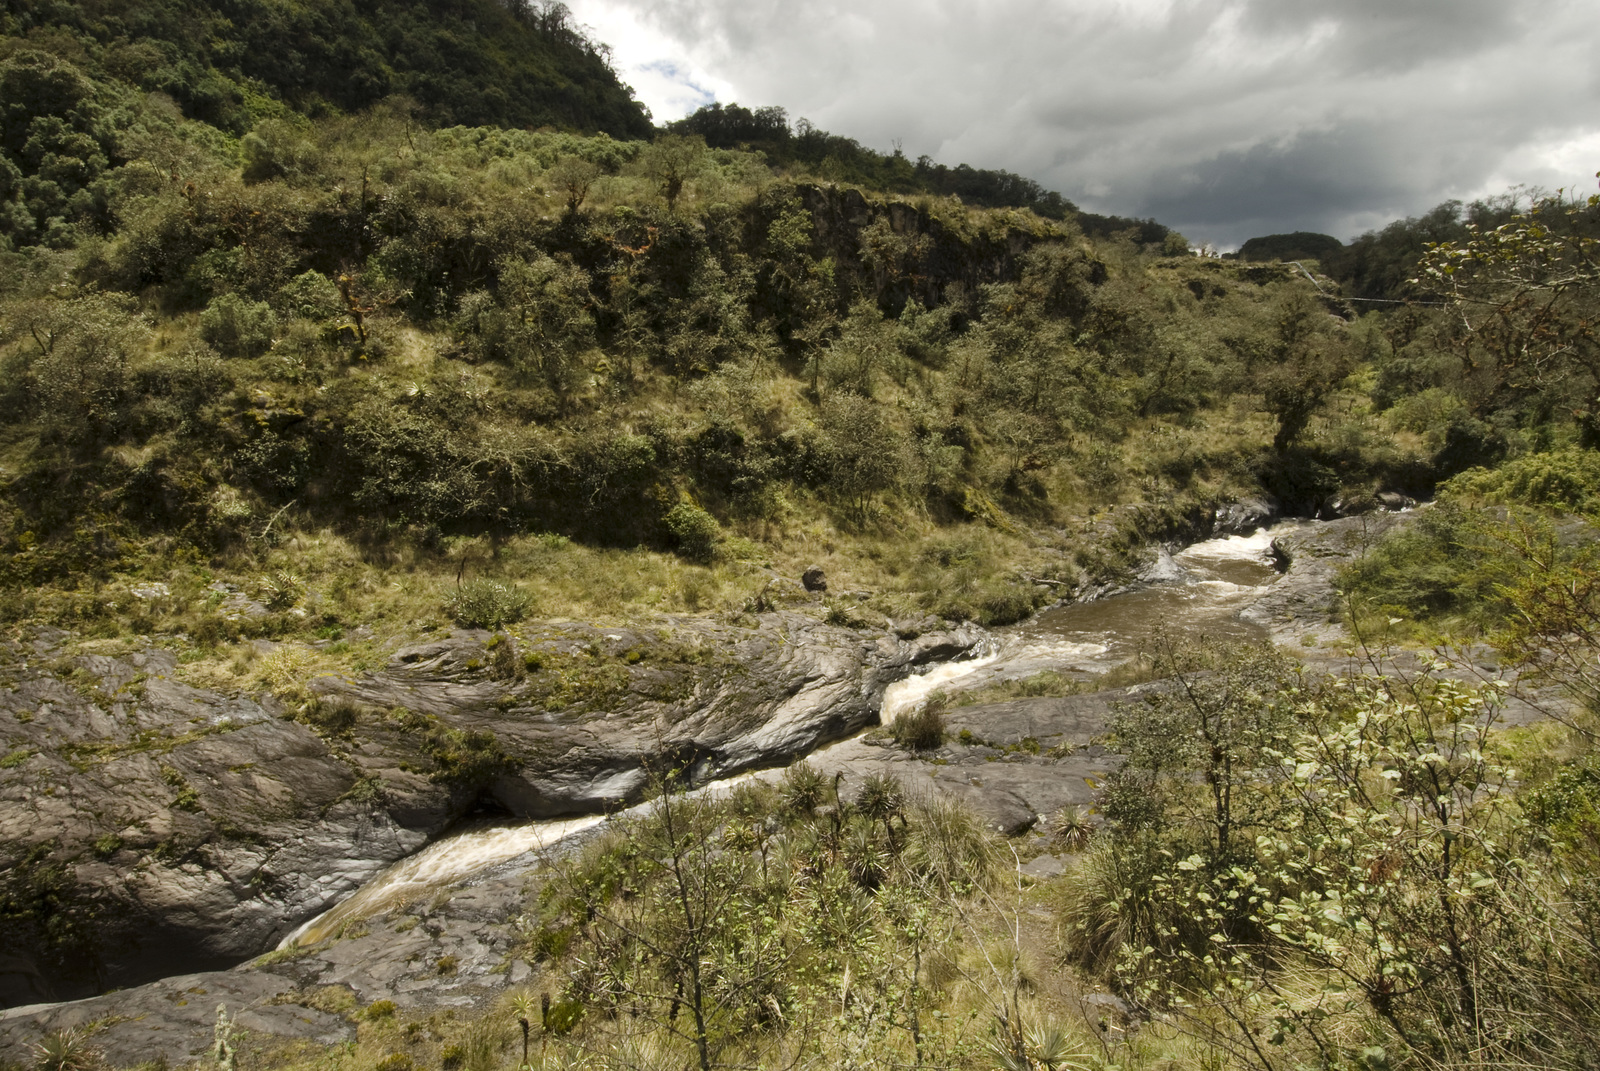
(379, 1009)
(488, 604)
(65, 1050)
(238, 328)
(694, 531)
(1564, 480)
(803, 788)
(311, 296)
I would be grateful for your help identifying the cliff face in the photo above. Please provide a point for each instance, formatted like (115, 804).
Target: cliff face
(150, 828)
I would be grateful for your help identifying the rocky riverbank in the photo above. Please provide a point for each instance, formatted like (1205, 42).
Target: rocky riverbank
(562, 720)
(150, 828)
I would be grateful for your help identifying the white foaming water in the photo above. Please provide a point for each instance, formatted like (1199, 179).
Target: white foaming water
(441, 863)
(912, 692)
(459, 856)
(1253, 547)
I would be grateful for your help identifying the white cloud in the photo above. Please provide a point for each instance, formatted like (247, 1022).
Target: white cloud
(1224, 118)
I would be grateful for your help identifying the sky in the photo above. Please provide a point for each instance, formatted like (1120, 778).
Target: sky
(1225, 119)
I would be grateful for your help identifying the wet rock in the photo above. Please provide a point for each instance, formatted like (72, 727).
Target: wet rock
(813, 579)
(1346, 506)
(1245, 516)
(1394, 502)
(1009, 762)
(1162, 569)
(1305, 599)
(180, 827)
(21, 982)
(580, 729)
(196, 828)
(172, 1021)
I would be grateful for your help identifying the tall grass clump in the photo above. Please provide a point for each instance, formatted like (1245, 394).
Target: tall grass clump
(921, 729)
(488, 604)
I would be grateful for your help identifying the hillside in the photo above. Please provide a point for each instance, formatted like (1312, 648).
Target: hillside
(229, 64)
(397, 432)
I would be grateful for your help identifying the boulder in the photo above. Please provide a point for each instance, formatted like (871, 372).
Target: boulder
(1245, 516)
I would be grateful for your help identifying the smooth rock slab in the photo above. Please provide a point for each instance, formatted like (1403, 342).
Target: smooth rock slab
(173, 1020)
(190, 829)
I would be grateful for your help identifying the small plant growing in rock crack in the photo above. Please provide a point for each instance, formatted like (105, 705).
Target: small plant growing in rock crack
(921, 729)
(65, 1050)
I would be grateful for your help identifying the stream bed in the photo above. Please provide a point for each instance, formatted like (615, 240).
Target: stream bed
(1200, 589)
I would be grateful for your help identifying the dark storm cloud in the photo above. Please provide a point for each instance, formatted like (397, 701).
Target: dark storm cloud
(1224, 118)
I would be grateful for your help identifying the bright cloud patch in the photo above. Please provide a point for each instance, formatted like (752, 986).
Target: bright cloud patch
(1224, 118)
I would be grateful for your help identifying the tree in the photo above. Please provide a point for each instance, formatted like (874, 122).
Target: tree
(1527, 295)
(682, 947)
(670, 162)
(1297, 365)
(863, 452)
(868, 346)
(1220, 718)
(573, 175)
(78, 365)
(540, 323)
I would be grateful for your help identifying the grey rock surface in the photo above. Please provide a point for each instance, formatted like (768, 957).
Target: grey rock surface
(172, 1020)
(1017, 764)
(1245, 516)
(573, 726)
(1023, 761)
(184, 828)
(1304, 601)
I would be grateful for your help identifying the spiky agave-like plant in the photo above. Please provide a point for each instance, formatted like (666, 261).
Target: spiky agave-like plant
(65, 1050)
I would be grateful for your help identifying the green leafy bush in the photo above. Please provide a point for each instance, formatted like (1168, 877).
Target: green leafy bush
(1564, 479)
(1453, 567)
(694, 531)
(238, 328)
(488, 604)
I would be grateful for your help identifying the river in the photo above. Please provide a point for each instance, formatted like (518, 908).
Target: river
(1200, 589)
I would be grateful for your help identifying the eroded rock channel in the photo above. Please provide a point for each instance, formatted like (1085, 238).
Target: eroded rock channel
(152, 828)
(553, 728)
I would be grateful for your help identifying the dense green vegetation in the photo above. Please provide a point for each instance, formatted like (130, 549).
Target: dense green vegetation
(231, 64)
(1300, 245)
(327, 329)
(243, 354)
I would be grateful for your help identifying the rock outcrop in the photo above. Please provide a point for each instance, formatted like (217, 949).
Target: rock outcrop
(149, 828)
(1017, 764)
